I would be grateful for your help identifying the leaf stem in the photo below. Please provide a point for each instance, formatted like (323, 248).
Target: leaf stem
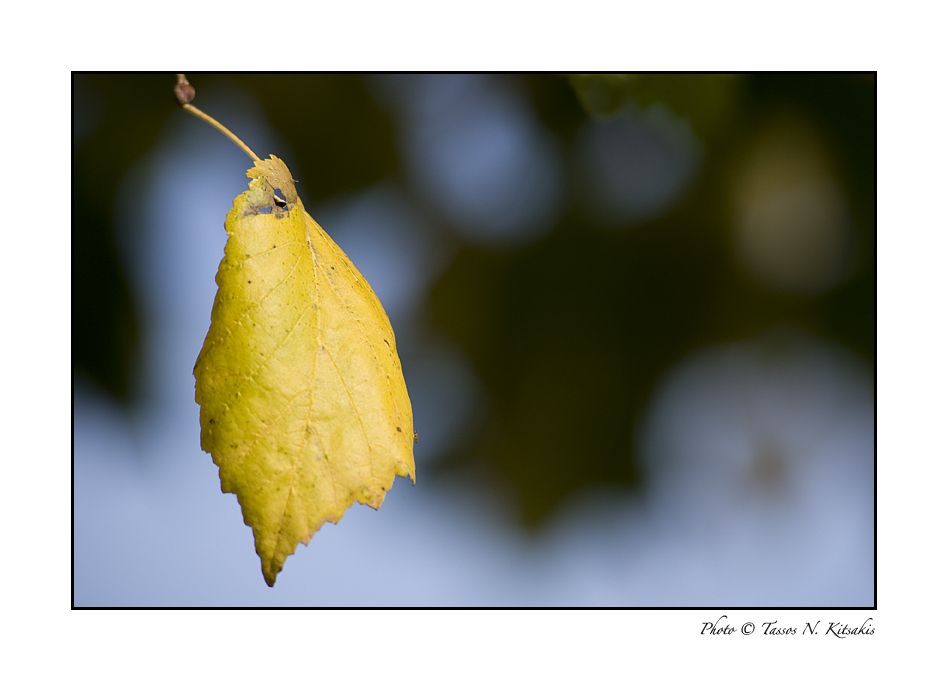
(184, 92)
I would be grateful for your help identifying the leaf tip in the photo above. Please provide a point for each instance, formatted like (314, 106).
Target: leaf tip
(270, 569)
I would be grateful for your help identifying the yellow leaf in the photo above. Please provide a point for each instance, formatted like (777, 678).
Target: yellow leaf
(303, 402)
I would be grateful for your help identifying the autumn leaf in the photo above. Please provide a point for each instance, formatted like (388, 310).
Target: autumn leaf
(303, 402)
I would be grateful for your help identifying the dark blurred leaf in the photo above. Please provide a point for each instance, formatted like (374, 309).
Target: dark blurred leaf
(569, 336)
(843, 107)
(116, 119)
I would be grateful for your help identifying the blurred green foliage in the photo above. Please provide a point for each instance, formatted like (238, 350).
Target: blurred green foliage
(568, 334)
(708, 101)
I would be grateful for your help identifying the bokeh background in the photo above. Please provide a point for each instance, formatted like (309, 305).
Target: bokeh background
(636, 315)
